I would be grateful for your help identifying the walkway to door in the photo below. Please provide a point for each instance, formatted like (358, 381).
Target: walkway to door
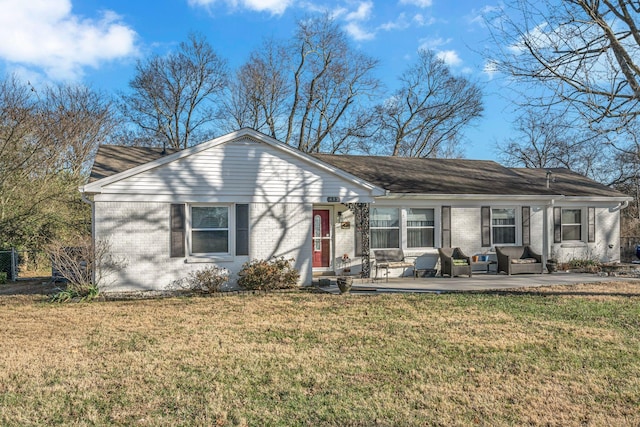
(479, 282)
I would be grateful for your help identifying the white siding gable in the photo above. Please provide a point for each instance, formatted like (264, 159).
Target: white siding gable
(240, 170)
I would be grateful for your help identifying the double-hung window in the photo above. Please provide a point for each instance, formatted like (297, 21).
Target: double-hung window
(420, 228)
(209, 230)
(503, 226)
(574, 224)
(571, 224)
(385, 228)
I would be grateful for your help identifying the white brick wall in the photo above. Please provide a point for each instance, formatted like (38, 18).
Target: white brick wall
(282, 230)
(465, 230)
(606, 248)
(608, 234)
(537, 228)
(139, 234)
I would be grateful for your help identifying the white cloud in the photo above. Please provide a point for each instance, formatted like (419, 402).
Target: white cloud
(419, 3)
(25, 74)
(421, 21)
(46, 34)
(431, 44)
(275, 7)
(541, 37)
(362, 13)
(450, 57)
(355, 19)
(400, 23)
(490, 68)
(357, 32)
(479, 17)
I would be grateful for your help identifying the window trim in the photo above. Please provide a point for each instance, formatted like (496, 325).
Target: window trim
(405, 223)
(516, 226)
(580, 224)
(230, 231)
(403, 228)
(399, 211)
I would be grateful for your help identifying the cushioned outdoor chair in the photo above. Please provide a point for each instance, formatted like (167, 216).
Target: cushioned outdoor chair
(454, 262)
(518, 259)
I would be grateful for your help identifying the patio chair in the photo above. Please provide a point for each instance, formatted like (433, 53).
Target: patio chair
(518, 259)
(454, 262)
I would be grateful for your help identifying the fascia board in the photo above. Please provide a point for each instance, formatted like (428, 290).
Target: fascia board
(498, 197)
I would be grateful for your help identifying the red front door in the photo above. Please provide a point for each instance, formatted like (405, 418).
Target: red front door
(321, 238)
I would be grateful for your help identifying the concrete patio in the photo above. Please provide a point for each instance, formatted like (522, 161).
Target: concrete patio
(479, 282)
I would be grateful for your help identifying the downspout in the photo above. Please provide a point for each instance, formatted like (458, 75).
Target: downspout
(84, 198)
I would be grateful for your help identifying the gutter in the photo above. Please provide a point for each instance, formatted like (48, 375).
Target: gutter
(84, 198)
(420, 196)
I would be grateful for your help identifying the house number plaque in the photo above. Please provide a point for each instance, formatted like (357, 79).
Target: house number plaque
(333, 199)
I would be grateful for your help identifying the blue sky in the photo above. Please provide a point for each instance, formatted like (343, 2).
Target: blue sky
(97, 42)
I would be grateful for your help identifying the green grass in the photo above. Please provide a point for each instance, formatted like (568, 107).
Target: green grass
(567, 356)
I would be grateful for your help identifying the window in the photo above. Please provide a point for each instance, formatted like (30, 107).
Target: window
(209, 229)
(420, 228)
(571, 224)
(385, 228)
(503, 226)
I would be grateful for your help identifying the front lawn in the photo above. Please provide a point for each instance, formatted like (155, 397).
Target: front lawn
(556, 356)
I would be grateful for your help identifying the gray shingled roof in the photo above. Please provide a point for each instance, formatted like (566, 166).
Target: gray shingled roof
(404, 175)
(113, 159)
(568, 183)
(435, 176)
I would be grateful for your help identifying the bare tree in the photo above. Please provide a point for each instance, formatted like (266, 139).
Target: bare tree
(426, 115)
(46, 140)
(174, 97)
(544, 138)
(259, 96)
(22, 161)
(330, 77)
(307, 91)
(582, 52)
(76, 120)
(580, 56)
(19, 114)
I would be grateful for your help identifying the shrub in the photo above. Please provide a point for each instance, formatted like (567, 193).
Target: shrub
(588, 265)
(3, 277)
(80, 292)
(209, 279)
(581, 263)
(83, 265)
(263, 275)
